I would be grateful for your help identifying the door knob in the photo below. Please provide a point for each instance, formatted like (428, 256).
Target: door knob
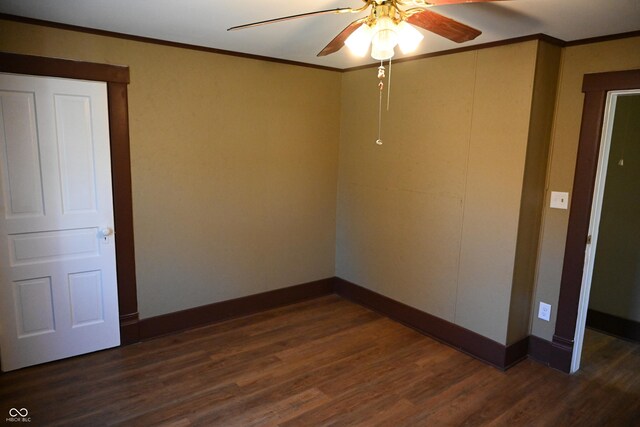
(106, 232)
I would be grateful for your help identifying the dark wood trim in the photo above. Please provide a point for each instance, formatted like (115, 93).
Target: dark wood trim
(142, 39)
(55, 67)
(579, 217)
(603, 38)
(116, 78)
(561, 354)
(539, 349)
(129, 328)
(224, 310)
(613, 325)
(87, 30)
(516, 352)
(476, 345)
(123, 211)
(613, 80)
(595, 87)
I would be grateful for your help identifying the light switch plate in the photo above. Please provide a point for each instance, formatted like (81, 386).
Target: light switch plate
(559, 200)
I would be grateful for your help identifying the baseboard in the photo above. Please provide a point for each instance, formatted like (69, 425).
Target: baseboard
(539, 349)
(613, 325)
(558, 353)
(561, 353)
(472, 343)
(555, 354)
(516, 352)
(467, 341)
(129, 328)
(210, 313)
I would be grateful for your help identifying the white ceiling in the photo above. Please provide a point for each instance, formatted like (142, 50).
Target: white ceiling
(204, 22)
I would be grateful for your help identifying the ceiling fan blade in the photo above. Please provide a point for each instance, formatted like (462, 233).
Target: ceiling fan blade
(338, 41)
(443, 26)
(290, 17)
(443, 2)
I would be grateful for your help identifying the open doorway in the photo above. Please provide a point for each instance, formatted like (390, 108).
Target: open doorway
(610, 295)
(566, 346)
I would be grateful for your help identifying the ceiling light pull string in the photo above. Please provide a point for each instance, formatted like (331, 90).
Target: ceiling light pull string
(381, 89)
(389, 86)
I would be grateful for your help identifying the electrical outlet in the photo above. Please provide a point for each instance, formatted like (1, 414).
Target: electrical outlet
(544, 312)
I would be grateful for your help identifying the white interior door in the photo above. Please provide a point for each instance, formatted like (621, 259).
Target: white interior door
(58, 290)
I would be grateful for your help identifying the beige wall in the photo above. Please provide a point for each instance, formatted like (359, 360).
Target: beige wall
(531, 204)
(623, 54)
(235, 171)
(615, 284)
(430, 218)
(234, 166)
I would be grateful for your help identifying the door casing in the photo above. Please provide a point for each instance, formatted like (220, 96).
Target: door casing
(595, 88)
(594, 225)
(117, 78)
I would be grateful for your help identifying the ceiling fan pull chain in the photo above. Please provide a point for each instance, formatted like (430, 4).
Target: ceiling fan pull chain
(389, 85)
(381, 87)
(379, 140)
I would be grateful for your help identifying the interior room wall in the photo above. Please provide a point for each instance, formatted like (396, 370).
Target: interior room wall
(615, 55)
(430, 218)
(235, 171)
(531, 205)
(615, 283)
(234, 166)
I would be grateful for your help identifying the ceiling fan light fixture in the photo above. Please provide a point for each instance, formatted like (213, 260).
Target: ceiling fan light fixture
(386, 26)
(381, 54)
(384, 34)
(408, 37)
(358, 42)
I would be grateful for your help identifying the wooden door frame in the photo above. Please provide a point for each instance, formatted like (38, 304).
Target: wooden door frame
(595, 88)
(117, 78)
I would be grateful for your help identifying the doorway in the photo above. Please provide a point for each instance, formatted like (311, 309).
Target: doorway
(58, 285)
(610, 293)
(573, 296)
(117, 80)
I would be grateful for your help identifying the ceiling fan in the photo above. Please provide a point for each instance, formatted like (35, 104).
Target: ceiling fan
(389, 24)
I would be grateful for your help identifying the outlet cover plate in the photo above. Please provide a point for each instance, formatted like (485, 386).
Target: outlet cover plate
(544, 312)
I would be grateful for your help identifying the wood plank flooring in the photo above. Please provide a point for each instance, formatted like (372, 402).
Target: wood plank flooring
(318, 363)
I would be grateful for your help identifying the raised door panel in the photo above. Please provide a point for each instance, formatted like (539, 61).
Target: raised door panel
(86, 296)
(75, 148)
(22, 183)
(34, 306)
(51, 246)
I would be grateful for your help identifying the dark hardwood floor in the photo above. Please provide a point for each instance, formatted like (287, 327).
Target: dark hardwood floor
(322, 362)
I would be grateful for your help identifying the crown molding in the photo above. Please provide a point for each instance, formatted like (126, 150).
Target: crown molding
(152, 40)
(539, 36)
